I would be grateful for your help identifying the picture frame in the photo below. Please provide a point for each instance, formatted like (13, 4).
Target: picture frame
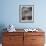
(26, 13)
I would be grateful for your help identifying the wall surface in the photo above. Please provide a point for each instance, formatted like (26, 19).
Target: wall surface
(10, 13)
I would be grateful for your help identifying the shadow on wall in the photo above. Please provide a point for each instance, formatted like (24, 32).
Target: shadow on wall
(2, 26)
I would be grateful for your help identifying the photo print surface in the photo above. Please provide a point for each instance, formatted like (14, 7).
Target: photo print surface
(26, 13)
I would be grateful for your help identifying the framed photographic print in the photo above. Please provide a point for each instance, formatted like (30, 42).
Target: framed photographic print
(26, 13)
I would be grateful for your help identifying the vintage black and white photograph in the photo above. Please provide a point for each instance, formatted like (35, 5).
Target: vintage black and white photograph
(26, 13)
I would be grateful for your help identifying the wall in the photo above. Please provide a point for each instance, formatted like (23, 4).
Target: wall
(10, 13)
